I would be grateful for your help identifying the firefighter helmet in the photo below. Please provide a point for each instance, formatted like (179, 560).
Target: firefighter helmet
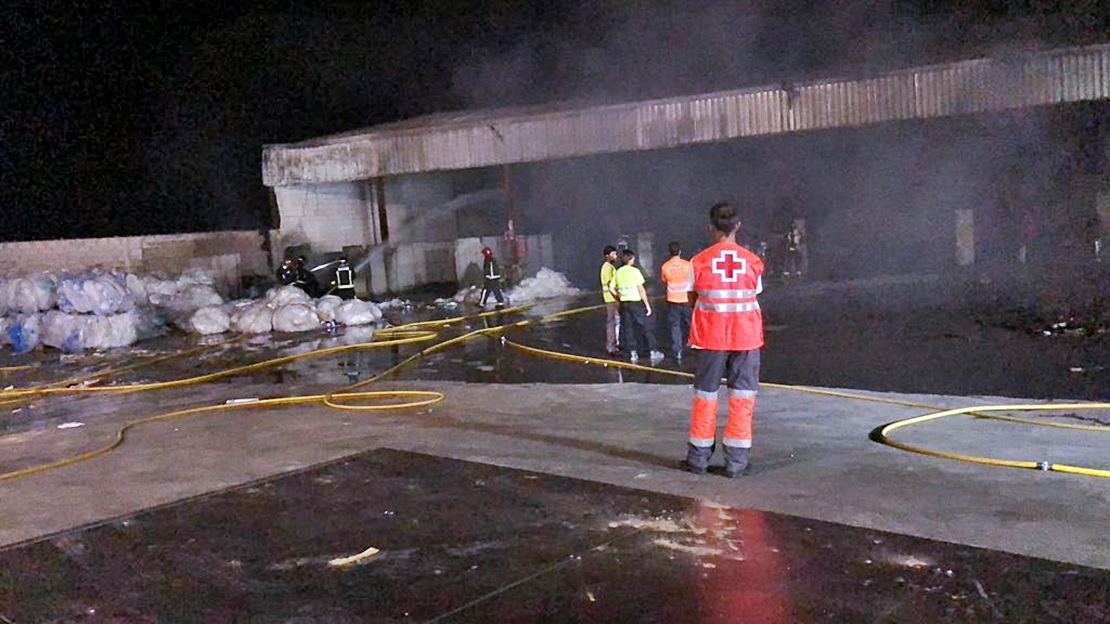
(487, 252)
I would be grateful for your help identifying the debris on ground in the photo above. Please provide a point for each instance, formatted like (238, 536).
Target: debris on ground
(1073, 325)
(1070, 323)
(546, 284)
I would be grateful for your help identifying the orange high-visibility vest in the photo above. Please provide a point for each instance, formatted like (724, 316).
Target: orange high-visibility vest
(676, 274)
(727, 278)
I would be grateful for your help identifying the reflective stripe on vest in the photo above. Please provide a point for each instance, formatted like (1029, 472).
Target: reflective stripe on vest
(628, 287)
(727, 307)
(728, 294)
(344, 278)
(677, 275)
(677, 292)
(628, 293)
(727, 317)
(677, 288)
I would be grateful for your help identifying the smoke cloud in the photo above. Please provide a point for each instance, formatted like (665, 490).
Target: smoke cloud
(876, 200)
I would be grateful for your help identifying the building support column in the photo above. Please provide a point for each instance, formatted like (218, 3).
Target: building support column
(383, 230)
(383, 215)
(511, 226)
(965, 237)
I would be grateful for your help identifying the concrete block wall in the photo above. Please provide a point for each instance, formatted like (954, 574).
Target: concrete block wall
(374, 276)
(406, 266)
(326, 216)
(416, 264)
(540, 254)
(71, 255)
(227, 255)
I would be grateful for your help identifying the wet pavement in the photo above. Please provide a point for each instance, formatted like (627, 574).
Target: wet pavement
(895, 334)
(464, 542)
(571, 456)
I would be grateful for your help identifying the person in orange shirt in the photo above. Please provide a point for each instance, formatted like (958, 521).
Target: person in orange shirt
(678, 277)
(728, 329)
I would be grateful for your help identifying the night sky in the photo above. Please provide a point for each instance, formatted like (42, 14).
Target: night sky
(121, 121)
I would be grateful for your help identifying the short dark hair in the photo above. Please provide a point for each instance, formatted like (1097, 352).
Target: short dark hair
(674, 248)
(608, 250)
(627, 255)
(724, 218)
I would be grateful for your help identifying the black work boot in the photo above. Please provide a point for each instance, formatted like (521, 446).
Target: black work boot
(736, 461)
(697, 458)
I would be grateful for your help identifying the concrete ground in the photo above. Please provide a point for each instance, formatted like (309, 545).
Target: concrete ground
(812, 457)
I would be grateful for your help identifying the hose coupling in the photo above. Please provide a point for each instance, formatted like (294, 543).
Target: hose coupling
(1043, 465)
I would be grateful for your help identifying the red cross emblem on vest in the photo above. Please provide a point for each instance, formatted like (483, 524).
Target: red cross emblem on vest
(729, 265)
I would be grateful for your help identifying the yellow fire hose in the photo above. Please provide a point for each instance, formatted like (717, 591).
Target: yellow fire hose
(339, 399)
(880, 434)
(351, 398)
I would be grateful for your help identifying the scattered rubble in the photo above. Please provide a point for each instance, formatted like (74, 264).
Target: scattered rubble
(1071, 323)
(546, 284)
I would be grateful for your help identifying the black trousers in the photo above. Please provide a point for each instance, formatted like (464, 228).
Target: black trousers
(678, 317)
(634, 327)
(492, 287)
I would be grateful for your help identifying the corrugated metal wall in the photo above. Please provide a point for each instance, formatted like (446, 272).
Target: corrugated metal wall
(485, 138)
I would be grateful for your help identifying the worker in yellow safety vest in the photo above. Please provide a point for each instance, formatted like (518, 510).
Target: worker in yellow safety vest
(628, 286)
(612, 308)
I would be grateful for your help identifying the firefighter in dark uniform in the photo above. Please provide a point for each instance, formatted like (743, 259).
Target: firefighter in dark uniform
(796, 257)
(491, 276)
(305, 280)
(287, 273)
(344, 282)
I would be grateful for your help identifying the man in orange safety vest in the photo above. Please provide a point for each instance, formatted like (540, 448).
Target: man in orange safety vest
(728, 329)
(676, 274)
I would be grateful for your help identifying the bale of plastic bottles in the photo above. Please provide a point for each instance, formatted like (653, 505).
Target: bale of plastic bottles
(98, 309)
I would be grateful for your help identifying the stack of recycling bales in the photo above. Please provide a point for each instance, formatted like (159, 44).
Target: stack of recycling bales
(102, 310)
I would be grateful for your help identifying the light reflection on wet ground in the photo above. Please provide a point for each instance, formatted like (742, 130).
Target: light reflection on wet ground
(466, 542)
